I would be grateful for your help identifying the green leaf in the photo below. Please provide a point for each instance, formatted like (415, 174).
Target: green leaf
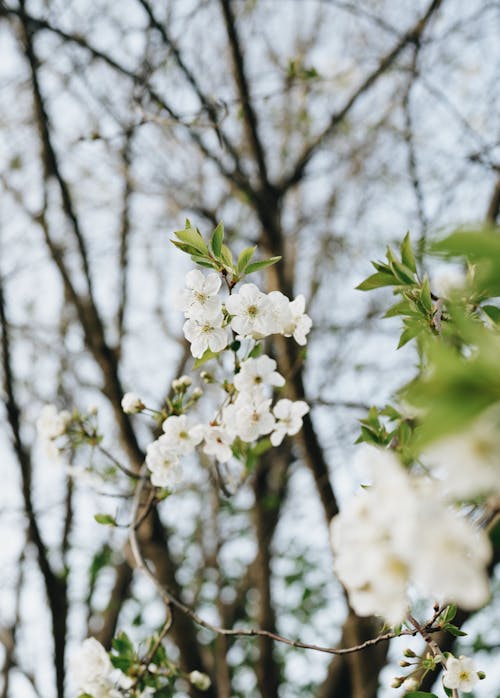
(203, 261)
(216, 240)
(404, 307)
(493, 312)
(256, 351)
(420, 694)
(188, 249)
(203, 359)
(453, 630)
(406, 336)
(123, 645)
(227, 256)
(407, 255)
(192, 237)
(377, 280)
(244, 258)
(450, 613)
(425, 294)
(405, 275)
(257, 266)
(105, 519)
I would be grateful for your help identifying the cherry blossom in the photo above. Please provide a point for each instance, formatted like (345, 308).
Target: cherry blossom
(460, 674)
(218, 443)
(206, 333)
(251, 311)
(163, 464)
(255, 373)
(200, 297)
(289, 419)
(179, 436)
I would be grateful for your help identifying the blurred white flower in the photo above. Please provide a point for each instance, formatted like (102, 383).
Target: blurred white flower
(51, 423)
(469, 462)
(200, 681)
(92, 670)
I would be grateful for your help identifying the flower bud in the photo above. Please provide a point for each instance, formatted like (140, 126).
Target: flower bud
(199, 680)
(409, 653)
(132, 403)
(181, 384)
(197, 393)
(397, 682)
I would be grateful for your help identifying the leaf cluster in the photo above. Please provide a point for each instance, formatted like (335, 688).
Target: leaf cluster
(216, 255)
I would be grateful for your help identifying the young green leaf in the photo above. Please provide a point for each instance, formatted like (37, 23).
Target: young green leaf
(377, 280)
(185, 247)
(105, 519)
(216, 240)
(263, 264)
(244, 258)
(407, 255)
(203, 359)
(192, 237)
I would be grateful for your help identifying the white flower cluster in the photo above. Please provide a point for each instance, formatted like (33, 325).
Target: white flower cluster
(469, 463)
(247, 412)
(399, 531)
(93, 673)
(50, 425)
(249, 313)
(247, 417)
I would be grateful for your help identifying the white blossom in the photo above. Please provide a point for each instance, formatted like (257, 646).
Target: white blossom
(199, 680)
(132, 403)
(398, 531)
(450, 556)
(179, 437)
(206, 332)
(460, 674)
(253, 419)
(469, 462)
(51, 423)
(199, 298)
(92, 670)
(163, 463)
(280, 311)
(289, 419)
(256, 373)
(251, 311)
(300, 323)
(218, 443)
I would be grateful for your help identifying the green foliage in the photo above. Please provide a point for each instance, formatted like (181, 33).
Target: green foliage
(217, 255)
(105, 519)
(457, 338)
(420, 694)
